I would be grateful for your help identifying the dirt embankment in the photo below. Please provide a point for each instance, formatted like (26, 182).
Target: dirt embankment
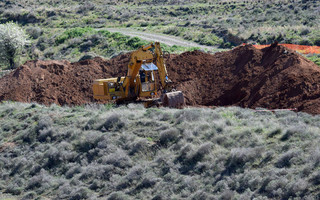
(274, 77)
(59, 82)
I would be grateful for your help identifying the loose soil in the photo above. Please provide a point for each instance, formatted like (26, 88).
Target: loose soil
(274, 78)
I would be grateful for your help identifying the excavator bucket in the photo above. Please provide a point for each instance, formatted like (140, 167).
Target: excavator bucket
(173, 99)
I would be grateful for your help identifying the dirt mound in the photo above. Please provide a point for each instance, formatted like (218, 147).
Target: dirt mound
(59, 82)
(274, 77)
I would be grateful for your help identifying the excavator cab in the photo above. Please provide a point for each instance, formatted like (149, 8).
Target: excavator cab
(147, 78)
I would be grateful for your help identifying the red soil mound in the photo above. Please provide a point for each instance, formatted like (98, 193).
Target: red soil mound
(274, 77)
(59, 82)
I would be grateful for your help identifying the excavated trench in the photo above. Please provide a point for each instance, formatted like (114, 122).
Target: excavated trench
(274, 77)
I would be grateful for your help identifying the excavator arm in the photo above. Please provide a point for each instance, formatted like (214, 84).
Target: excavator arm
(137, 58)
(145, 55)
(161, 67)
(169, 97)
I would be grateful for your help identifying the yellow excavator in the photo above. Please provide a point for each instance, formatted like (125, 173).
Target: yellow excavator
(141, 82)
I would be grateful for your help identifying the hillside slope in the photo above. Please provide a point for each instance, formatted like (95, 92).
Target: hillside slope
(274, 77)
(209, 22)
(94, 152)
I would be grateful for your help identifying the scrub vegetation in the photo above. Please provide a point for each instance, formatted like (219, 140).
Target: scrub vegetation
(83, 43)
(223, 24)
(129, 152)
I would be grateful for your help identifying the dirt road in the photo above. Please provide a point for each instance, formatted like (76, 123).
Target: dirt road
(165, 39)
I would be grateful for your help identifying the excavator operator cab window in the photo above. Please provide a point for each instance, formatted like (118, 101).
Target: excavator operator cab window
(147, 81)
(111, 87)
(150, 77)
(117, 85)
(142, 76)
(147, 76)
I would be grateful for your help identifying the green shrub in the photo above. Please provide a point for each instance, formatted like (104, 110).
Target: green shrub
(169, 136)
(113, 122)
(73, 193)
(144, 24)
(285, 159)
(187, 115)
(13, 189)
(29, 196)
(104, 33)
(73, 170)
(208, 39)
(72, 33)
(240, 156)
(135, 42)
(117, 196)
(274, 133)
(173, 31)
(34, 32)
(315, 59)
(90, 141)
(120, 38)
(118, 159)
(140, 146)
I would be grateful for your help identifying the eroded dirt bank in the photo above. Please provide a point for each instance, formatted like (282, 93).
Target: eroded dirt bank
(274, 77)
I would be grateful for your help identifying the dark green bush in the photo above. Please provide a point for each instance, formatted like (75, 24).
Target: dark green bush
(86, 46)
(274, 133)
(135, 42)
(72, 33)
(42, 43)
(75, 42)
(72, 171)
(13, 189)
(113, 122)
(140, 146)
(29, 196)
(239, 157)
(208, 39)
(173, 31)
(315, 59)
(117, 196)
(34, 32)
(88, 142)
(169, 136)
(285, 159)
(118, 159)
